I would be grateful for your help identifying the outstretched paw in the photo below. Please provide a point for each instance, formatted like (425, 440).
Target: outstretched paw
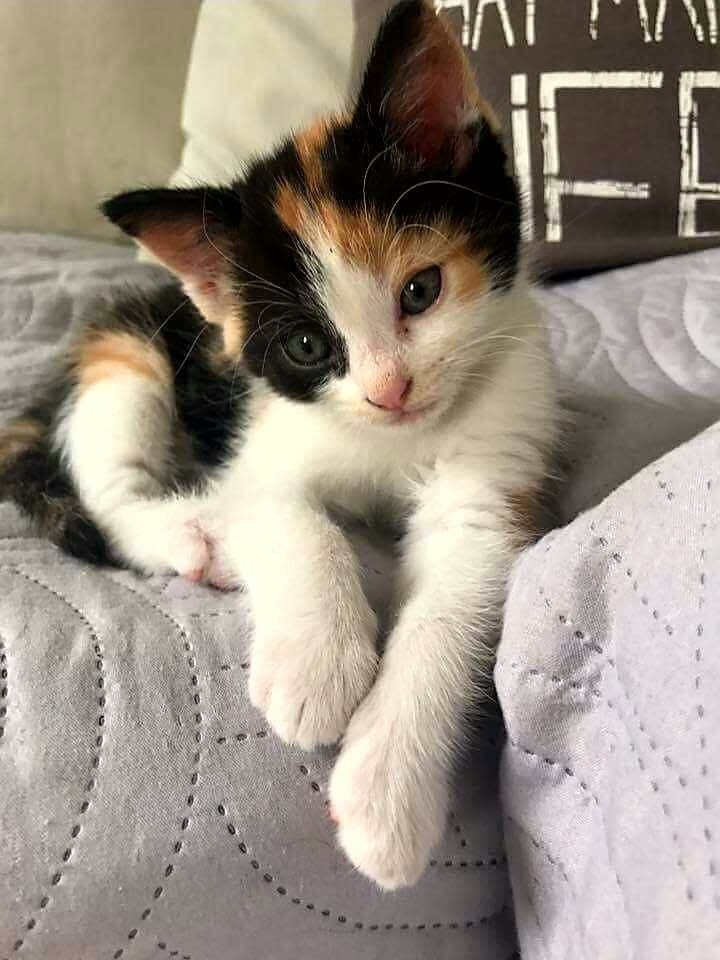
(390, 810)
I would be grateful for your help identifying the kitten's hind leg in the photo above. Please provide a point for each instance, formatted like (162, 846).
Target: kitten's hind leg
(117, 434)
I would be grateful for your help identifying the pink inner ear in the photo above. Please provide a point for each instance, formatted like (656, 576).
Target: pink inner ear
(186, 250)
(430, 96)
(435, 124)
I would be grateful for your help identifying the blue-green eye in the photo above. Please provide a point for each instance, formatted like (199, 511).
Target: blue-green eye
(307, 346)
(421, 291)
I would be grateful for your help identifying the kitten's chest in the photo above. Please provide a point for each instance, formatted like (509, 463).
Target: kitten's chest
(366, 476)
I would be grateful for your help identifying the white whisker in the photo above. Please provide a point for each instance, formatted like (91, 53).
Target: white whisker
(447, 183)
(192, 347)
(367, 170)
(169, 317)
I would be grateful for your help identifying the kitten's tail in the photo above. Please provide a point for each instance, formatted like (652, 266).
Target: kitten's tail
(33, 477)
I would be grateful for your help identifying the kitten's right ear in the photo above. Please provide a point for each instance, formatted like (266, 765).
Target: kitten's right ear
(189, 231)
(419, 91)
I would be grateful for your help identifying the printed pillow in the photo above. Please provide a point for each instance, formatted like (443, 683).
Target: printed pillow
(612, 115)
(611, 108)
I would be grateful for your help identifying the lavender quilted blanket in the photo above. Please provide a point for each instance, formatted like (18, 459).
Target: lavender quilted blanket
(146, 812)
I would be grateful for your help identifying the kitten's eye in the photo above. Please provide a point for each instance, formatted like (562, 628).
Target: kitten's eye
(307, 346)
(421, 291)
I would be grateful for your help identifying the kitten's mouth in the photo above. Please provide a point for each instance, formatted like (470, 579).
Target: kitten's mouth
(409, 414)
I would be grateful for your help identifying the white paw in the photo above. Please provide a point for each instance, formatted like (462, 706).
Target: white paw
(390, 807)
(178, 533)
(308, 675)
(183, 533)
(189, 551)
(198, 556)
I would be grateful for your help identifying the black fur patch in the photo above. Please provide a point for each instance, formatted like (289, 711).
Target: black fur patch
(273, 272)
(37, 482)
(208, 390)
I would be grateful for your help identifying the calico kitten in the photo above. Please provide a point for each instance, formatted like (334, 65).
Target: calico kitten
(351, 332)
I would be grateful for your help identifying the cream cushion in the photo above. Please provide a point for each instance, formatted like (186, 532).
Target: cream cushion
(258, 69)
(92, 92)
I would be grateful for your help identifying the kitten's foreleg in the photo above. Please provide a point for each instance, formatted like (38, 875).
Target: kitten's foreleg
(389, 789)
(313, 654)
(116, 435)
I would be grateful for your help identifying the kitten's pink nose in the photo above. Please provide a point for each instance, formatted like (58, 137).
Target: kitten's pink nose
(390, 393)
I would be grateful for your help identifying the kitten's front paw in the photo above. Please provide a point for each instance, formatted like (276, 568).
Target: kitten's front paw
(390, 809)
(307, 677)
(200, 559)
(184, 535)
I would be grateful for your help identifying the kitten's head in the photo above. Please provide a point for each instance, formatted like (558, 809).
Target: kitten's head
(355, 265)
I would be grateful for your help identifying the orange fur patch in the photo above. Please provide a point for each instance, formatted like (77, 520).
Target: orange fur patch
(291, 208)
(396, 252)
(18, 437)
(113, 354)
(470, 275)
(391, 251)
(361, 240)
(309, 144)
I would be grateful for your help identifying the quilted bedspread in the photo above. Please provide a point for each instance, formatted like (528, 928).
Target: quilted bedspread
(146, 811)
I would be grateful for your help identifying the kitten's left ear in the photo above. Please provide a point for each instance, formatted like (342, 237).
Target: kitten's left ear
(419, 90)
(189, 231)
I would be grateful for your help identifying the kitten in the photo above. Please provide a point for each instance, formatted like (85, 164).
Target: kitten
(351, 332)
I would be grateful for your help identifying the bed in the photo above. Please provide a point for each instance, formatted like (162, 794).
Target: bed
(147, 811)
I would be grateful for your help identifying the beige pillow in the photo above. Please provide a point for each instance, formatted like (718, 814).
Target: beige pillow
(91, 96)
(259, 68)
